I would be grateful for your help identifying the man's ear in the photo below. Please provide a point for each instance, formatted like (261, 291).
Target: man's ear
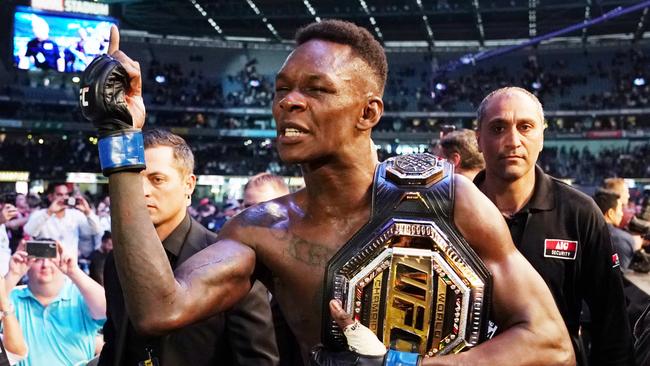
(372, 112)
(454, 158)
(190, 184)
(610, 214)
(478, 140)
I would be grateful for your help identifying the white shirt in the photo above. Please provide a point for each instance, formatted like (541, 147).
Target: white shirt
(65, 229)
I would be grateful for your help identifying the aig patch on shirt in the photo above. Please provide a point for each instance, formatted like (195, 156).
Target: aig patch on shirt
(615, 261)
(562, 249)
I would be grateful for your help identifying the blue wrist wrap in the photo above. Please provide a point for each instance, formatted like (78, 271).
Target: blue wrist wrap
(123, 151)
(398, 358)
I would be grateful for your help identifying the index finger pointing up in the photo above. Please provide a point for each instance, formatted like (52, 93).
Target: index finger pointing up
(114, 42)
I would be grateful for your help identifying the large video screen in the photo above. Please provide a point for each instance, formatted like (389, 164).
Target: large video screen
(62, 42)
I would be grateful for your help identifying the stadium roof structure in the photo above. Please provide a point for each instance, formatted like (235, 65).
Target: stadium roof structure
(395, 22)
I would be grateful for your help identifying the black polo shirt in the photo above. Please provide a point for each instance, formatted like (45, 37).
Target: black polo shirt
(564, 236)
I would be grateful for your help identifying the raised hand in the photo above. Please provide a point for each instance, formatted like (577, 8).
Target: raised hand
(56, 206)
(65, 261)
(20, 262)
(83, 205)
(7, 213)
(111, 98)
(133, 96)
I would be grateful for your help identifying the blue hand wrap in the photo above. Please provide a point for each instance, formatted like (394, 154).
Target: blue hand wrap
(398, 358)
(123, 151)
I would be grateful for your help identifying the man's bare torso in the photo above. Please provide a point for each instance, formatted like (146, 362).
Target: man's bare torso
(292, 250)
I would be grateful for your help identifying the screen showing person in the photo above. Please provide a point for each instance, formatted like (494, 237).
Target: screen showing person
(58, 41)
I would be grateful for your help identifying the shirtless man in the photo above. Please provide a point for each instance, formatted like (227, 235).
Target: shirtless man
(327, 100)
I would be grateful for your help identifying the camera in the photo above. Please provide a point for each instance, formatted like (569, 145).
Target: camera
(41, 248)
(72, 202)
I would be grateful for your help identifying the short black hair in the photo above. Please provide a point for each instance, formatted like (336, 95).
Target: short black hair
(606, 200)
(53, 184)
(182, 151)
(358, 38)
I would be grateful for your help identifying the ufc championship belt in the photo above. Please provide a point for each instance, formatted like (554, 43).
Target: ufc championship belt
(408, 275)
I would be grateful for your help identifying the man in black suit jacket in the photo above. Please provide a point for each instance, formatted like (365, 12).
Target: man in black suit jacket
(242, 336)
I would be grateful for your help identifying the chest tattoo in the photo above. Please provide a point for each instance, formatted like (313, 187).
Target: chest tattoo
(308, 252)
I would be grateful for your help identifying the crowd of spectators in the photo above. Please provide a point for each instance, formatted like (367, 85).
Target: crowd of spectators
(171, 85)
(48, 156)
(469, 87)
(55, 313)
(629, 74)
(561, 81)
(52, 156)
(589, 168)
(57, 114)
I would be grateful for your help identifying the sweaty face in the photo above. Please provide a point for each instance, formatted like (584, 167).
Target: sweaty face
(165, 187)
(511, 135)
(319, 95)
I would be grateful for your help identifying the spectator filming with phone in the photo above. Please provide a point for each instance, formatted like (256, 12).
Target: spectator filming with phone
(60, 310)
(7, 212)
(65, 219)
(13, 342)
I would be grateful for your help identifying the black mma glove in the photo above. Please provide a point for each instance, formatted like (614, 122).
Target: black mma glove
(104, 86)
(322, 357)
(365, 350)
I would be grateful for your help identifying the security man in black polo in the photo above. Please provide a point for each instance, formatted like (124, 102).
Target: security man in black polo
(557, 228)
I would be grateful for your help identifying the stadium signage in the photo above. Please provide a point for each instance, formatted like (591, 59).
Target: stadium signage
(55, 5)
(86, 7)
(13, 176)
(73, 6)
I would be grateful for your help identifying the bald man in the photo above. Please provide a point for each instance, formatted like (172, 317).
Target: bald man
(557, 228)
(264, 187)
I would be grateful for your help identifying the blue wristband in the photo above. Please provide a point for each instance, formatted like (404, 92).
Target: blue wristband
(124, 151)
(398, 358)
